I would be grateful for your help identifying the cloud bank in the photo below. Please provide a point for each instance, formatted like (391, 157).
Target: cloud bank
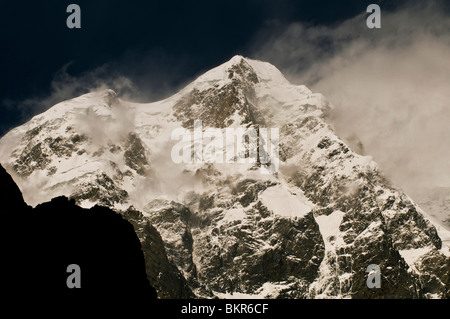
(389, 86)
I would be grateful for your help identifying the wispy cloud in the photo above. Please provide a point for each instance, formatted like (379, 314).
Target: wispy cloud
(139, 76)
(65, 86)
(390, 86)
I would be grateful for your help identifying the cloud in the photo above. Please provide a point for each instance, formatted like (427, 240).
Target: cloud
(136, 75)
(65, 86)
(389, 86)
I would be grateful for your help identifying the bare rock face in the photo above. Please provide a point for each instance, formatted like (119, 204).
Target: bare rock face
(243, 256)
(162, 273)
(135, 154)
(102, 190)
(239, 255)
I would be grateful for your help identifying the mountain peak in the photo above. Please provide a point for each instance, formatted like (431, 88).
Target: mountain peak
(236, 59)
(248, 69)
(326, 214)
(245, 91)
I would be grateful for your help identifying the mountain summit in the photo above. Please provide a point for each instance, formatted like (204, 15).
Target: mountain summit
(310, 229)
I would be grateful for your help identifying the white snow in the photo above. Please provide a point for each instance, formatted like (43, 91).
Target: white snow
(443, 232)
(282, 202)
(267, 290)
(329, 227)
(413, 255)
(235, 213)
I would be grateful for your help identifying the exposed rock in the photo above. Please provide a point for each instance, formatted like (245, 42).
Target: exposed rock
(216, 106)
(102, 190)
(134, 155)
(162, 273)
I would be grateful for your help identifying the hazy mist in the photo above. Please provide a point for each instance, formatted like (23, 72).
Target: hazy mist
(389, 86)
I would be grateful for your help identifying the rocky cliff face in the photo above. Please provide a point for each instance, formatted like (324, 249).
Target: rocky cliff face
(163, 273)
(309, 229)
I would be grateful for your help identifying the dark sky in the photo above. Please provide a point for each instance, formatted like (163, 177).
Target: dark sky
(159, 45)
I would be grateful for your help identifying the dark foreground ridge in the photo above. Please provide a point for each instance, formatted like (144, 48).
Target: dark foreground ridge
(40, 243)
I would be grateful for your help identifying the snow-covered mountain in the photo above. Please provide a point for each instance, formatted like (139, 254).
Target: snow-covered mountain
(309, 229)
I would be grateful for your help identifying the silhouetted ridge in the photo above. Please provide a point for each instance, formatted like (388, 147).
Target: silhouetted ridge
(10, 194)
(41, 243)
